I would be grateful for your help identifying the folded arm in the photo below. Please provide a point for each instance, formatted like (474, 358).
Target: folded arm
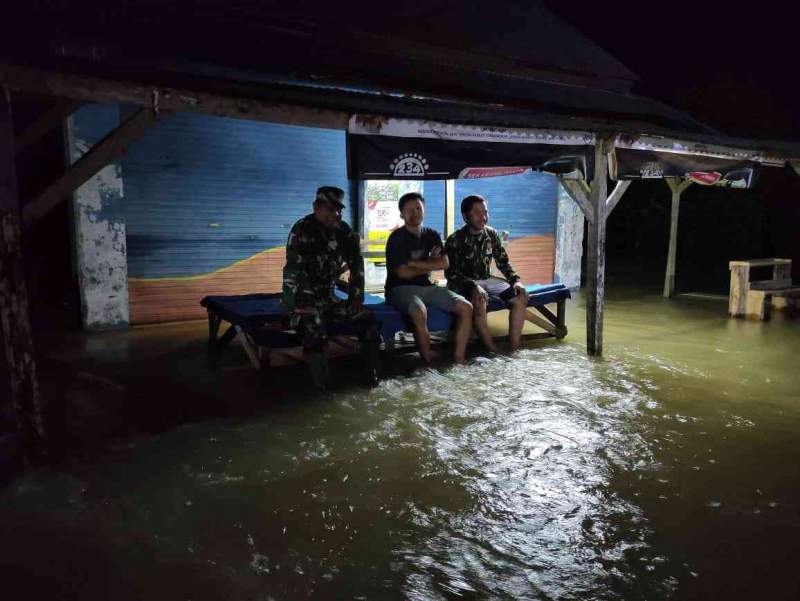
(430, 264)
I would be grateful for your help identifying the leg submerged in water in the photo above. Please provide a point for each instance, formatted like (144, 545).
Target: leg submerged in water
(312, 332)
(370, 351)
(516, 319)
(463, 312)
(317, 361)
(480, 319)
(418, 315)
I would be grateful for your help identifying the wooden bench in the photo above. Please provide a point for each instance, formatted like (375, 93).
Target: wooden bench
(755, 299)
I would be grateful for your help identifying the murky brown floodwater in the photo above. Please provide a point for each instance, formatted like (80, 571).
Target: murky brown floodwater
(666, 470)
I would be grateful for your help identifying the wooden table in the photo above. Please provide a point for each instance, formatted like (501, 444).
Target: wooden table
(755, 299)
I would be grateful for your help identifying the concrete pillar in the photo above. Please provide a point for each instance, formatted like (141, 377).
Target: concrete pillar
(569, 241)
(99, 225)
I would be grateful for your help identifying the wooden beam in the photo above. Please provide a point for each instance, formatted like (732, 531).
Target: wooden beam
(14, 310)
(596, 249)
(249, 346)
(616, 195)
(540, 321)
(53, 116)
(95, 89)
(578, 191)
(101, 154)
(677, 188)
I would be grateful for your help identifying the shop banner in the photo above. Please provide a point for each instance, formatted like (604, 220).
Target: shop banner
(381, 148)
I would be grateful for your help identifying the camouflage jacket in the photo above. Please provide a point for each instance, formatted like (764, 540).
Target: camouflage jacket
(315, 258)
(470, 257)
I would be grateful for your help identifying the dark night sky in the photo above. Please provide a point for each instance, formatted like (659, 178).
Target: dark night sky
(733, 66)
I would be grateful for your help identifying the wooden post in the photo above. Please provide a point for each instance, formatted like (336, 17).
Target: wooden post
(596, 250)
(213, 329)
(677, 188)
(561, 318)
(596, 206)
(740, 286)
(15, 320)
(449, 207)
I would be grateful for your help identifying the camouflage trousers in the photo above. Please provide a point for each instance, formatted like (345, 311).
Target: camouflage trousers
(332, 318)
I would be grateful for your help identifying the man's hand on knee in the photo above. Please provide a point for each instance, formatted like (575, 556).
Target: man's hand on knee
(479, 296)
(463, 308)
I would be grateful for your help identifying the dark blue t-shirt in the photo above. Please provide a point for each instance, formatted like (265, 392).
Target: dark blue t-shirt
(402, 247)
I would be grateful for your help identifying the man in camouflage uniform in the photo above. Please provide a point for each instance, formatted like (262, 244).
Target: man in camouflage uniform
(320, 248)
(470, 251)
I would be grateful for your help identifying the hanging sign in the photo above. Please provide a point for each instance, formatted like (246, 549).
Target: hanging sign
(381, 148)
(628, 164)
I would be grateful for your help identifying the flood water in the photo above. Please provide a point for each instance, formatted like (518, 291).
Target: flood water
(668, 469)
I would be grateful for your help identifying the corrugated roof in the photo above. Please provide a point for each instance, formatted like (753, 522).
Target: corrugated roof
(508, 62)
(512, 53)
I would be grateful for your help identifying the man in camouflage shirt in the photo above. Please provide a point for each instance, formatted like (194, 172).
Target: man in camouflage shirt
(320, 248)
(470, 251)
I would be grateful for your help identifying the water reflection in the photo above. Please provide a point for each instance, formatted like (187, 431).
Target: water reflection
(533, 441)
(548, 475)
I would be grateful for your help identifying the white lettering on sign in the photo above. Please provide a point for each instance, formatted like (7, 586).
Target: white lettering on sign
(409, 164)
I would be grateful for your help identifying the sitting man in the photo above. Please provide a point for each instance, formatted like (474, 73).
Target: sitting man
(470, 251)
(319, 247)
(412, 252)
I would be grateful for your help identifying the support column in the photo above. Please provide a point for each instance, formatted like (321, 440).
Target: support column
(596, 251)
(677, 186)
(596, 206)
(569, 241)
(100, 233)
(449, 207)
(14, 309)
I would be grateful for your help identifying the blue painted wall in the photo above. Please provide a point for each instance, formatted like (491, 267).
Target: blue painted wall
(434, 205)
(524, 204)
(203, 192)
(206, 196)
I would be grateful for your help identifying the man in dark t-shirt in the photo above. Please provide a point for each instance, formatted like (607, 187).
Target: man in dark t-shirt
(412, 252)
